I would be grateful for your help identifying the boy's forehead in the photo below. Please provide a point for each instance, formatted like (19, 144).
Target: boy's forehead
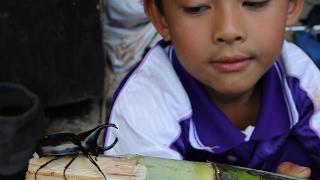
(205, 1)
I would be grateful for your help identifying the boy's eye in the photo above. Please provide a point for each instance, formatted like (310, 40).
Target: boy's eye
(255, 4)
(195, 9)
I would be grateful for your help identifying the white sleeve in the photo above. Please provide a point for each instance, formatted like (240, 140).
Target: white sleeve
(299, 65)
(147, 111)
(141, 135)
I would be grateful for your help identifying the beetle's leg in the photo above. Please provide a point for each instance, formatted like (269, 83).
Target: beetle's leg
(94, 163)
(65, 168)
(42, 166)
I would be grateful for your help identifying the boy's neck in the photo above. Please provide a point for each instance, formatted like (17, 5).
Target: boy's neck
(241, 110)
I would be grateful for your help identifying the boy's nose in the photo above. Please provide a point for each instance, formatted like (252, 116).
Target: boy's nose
(229, 29)
(229, 37)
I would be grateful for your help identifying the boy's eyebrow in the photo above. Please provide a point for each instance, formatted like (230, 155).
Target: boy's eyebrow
(198, 1)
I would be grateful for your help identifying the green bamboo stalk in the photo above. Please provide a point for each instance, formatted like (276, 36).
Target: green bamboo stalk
(160, 169)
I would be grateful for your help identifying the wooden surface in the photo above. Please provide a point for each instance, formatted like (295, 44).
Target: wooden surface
(143, 168)
(123, 168)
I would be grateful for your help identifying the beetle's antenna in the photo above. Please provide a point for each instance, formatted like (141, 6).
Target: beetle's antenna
(42, 166)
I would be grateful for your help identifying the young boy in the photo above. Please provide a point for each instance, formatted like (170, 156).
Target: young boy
(223, 86)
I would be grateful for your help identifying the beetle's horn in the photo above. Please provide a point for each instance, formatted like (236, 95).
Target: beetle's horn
(89, 138)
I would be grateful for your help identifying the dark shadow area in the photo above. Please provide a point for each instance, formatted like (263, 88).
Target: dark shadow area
(70, 111)
(53, 47)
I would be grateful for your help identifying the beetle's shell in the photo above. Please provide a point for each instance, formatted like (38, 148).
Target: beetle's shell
(60, 150)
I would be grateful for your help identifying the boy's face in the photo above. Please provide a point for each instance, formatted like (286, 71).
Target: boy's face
(227, 45)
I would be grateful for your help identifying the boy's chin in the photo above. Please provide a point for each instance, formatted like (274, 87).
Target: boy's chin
(232, 92)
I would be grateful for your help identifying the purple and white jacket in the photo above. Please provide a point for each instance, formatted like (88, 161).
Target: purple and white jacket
(162, 111)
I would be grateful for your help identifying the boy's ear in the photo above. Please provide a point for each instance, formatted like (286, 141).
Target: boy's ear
(294, 11)
(157, 19)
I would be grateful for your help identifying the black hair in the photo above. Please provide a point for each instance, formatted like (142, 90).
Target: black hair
(159, 5)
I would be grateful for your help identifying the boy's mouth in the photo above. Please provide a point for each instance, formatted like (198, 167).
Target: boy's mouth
(231, 63)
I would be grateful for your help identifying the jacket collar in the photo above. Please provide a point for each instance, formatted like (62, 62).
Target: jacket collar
(213, 127)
